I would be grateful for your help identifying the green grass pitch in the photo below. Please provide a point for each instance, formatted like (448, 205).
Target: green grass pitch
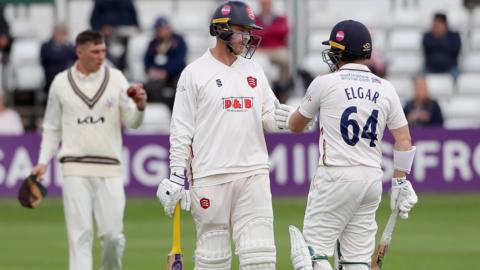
(442, 233)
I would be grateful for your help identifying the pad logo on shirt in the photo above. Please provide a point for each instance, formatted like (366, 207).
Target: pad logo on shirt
(237, 104)
(252, 81)
(204, 203)
(219, 82)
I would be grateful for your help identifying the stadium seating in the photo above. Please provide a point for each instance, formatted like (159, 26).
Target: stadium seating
(462, 112)
(404, 63)
(157, 120)
(136, 49)
(397, 27)
(440, 85)
(469, 84)
(403, 85)
(25, 65)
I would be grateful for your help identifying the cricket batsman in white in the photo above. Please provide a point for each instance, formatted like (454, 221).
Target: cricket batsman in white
(222, 107)
(355, 107)
(87, 107)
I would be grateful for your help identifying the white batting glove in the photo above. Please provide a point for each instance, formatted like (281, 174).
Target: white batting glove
(282, 115)
(402, 196)
(299, 254)
(172, 190)
(186, 200)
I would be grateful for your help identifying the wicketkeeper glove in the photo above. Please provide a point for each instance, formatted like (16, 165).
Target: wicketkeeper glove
(31, 192)
(402, 196)
(172, 190)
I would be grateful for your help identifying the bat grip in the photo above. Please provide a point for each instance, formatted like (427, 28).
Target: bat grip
(176, 231)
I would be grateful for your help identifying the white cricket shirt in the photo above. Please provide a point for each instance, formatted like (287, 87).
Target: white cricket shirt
(218, 118)
(355, 107)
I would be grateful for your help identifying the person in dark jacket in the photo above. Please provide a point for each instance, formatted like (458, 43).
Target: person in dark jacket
(422, 110)
(56, 55)
(117, 21)
(164, 61)
(114, 13)
(441, 47)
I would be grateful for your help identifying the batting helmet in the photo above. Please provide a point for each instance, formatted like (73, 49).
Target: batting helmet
(234, 13)
(349, 40)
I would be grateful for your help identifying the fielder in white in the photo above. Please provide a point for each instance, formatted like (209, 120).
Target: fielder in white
(222, 107)
(355, 107)
(87, 107)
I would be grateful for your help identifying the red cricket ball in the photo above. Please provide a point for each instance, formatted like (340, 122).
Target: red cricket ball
(132, 91)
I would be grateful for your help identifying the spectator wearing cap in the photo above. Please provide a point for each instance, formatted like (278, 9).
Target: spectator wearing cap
(441, 47)
(164, 60)
(423, 110)
(57, 54)
(275, 44)
(10, 121)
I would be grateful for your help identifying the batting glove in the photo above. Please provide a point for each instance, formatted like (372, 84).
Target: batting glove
(282, 114)
(299, 253)
(403, 196)
(172, 190)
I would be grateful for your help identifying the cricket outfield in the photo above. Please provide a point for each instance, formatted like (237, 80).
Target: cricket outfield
(442, 233)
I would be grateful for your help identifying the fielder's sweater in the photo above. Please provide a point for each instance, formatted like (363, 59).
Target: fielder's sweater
(86, 113)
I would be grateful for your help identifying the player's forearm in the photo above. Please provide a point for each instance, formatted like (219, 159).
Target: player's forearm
(50, 141)
(179, 152)
(135, 119)
(403, 151)
(298, 122)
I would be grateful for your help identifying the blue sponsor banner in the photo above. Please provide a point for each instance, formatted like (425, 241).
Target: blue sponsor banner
(446, 161)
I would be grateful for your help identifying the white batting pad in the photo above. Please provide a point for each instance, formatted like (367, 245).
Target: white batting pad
(355, 267)
(213, 251)
(256, 245)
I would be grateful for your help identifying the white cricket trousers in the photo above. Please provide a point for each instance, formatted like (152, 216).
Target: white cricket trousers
(241, 209)
(102, 199)
(342, 202)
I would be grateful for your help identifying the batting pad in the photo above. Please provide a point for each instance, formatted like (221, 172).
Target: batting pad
(213, 251)
(256, 245)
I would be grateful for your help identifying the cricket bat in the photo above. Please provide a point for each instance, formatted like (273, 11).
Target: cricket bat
(382, 247)
(175, 257)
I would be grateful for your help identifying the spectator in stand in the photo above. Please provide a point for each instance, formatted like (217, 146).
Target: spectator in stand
(441, 47)
(6, 39)
(10, 121)
(422, 110)
(117, 21)
(164, 61)
(275, 45)
(57, 54)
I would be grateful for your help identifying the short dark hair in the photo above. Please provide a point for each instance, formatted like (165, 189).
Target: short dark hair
(440, 17)
(89, 36)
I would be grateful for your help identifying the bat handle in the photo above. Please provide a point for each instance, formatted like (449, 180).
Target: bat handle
(176, 246)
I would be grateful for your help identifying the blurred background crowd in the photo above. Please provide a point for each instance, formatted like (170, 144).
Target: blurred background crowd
(429, 50)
